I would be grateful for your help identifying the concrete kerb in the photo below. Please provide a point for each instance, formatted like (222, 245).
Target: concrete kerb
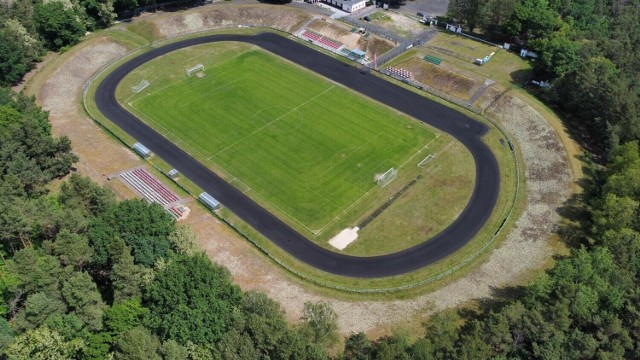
(275, 259)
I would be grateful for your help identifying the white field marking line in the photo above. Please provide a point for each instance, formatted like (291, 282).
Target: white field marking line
(272, 122)
(315, 232)
(355, 149)
(200, 56)
(166, 131)
(223, 86)
(161, 89)
(171, 83)
(346, 209)
(240, 183)
(418, 152)
(373, 187)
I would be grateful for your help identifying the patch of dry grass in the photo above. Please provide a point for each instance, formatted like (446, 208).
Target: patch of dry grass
(440, 78)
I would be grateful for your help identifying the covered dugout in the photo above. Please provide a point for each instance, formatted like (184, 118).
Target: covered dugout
(209, 201)
(141, 150)
(356, 54)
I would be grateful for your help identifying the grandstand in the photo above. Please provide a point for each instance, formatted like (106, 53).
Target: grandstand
(312, 35)
(179, 212)
(401, 73)
(321, 40)
(148, 186)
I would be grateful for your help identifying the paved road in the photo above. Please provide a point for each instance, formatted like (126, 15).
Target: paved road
(466, 130)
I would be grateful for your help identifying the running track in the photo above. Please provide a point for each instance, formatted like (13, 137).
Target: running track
(468, 131)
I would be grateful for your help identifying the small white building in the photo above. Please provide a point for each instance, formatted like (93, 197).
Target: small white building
(345, 5)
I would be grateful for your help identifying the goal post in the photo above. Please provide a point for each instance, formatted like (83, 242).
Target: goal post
(195, 69)
(143, 84)
(385, 178)
(426, 160)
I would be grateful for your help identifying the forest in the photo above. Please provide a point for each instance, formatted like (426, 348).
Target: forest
(84, 276)
(588, 50)
(28, 28)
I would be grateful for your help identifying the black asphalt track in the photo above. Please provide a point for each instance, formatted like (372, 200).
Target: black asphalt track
(468, 131)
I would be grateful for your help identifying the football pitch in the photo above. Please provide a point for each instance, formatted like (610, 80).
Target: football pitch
(288, 138)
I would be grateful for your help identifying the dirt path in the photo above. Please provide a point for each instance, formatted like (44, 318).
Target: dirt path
(525, 249)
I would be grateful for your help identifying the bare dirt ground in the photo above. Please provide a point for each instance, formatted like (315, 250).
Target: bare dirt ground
(217, 17)
(399, 23)
(525, 249)
(428, 7)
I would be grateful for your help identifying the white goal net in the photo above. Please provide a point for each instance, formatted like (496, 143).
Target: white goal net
(426, 160)
(385, 178)
(194, 70)
(143, 84)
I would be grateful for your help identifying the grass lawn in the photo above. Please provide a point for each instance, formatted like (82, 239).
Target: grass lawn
(288, 138)
(380, 16)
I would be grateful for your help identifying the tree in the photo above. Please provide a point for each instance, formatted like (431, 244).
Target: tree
(466, 11)
(183, 240)
(391, 348)
(171, 350)
(442, 333)
(137, 344)
(9, 285)
(79, 191)
(6, 334)
(38, 308)
(560, 55)
(145, 227)
(57, 25)
(29, 154)
(191, 300)
(602, 101)
(124, 316)
(14, 62)
(68, 326)
(43, 344)
(37, 272)
(357, 347)
(128, 278)
(98, 346)
(494, 15)
(532, 19)
(265, 323)
(72, 249)
(100, 13)
(320, 323)
(83, 298)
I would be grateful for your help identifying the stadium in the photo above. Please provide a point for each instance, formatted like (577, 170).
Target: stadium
(298, 154)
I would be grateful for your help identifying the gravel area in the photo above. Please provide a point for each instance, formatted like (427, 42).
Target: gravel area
(61, 96)
(217, 16)
(427, 7)
(525, 249)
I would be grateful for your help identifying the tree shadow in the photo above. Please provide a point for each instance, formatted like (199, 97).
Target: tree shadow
(521, 76)
(498, 299)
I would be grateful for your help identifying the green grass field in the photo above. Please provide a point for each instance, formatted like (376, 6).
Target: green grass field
(288, 138)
